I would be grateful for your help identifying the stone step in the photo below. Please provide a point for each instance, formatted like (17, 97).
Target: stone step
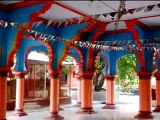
(30, 103)
(31, 106)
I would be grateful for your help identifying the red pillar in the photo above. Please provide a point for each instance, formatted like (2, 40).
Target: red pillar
(78, 91)
(19, 104)
(54, 97)
(86, 94)
(157, 108)
(144, 96)
(110, 92)
(3, 94)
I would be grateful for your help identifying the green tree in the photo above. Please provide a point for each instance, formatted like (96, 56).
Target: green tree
(127, 76)
(98, 79)
(66, 68)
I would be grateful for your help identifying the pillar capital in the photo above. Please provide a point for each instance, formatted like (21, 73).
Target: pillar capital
(110, 77)
(144, 75)
(4, 71)
(54, 73)
(87, 75)
(20, 74)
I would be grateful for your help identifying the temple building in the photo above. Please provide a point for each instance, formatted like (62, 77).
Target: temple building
(86, 31)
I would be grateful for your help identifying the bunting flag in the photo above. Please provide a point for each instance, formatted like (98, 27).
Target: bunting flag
(60, 23)
(139, 9)
(105, 15)
(113, 14)
(66, 22)
(96, 16)
(80, 20)
(17, 25)
(33, 24)
(3, 23)
(55, 22)
(131, 11)
(149, 8)
(158, 5)
(49, 23)
(39, 23)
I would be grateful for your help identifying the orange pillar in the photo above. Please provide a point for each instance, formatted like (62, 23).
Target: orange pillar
(3, 95)
(110, 92)
(54, 97)
(144, 96)
(19, 104)
(78, 91)
(157, 108)
(86, 94)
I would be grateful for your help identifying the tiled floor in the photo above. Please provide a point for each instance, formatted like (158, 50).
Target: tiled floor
(122, 112)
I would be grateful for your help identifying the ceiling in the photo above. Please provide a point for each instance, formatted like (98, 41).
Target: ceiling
(62, 10)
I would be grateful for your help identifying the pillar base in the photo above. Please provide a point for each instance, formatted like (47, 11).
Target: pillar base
(157, 109)
(109, 106)
(86, 111)
(78, 104)
(19, 112)
(60, 109)
(54, 116)
(144, 115)
(3, 119)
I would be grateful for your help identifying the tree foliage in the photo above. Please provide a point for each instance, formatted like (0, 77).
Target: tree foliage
(98, 79)
(66, 69)
(127, 76)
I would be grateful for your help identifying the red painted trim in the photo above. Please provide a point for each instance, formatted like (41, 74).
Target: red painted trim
(101, 29)
(50, 52)
(118, 31)
(27, 53)
(19, 35)
(142, 25)
(17, 44)
(81, 58)
(130, 26)
(45, 8)
(68, 44)
(20, 5)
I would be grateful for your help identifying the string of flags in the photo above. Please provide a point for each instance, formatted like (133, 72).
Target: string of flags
(120, 45)
(78, 20)
(129, 11)
(46, 37)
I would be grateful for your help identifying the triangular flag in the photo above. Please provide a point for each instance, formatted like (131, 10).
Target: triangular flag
(39, 23)
(96, 16)
(33, 24)
(80, 19)
(66, 22)
(112, 15)
(105, 15)
(128, 42)
(149, 8)
(139, 9)
(86, 19)
(158, 5)
(49, 23)
(131, 11)
(60, 23)
(55, 22)
(5, 24)
(12, 24)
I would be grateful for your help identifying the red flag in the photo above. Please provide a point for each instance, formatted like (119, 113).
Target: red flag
(131, 11)
(149, 8)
